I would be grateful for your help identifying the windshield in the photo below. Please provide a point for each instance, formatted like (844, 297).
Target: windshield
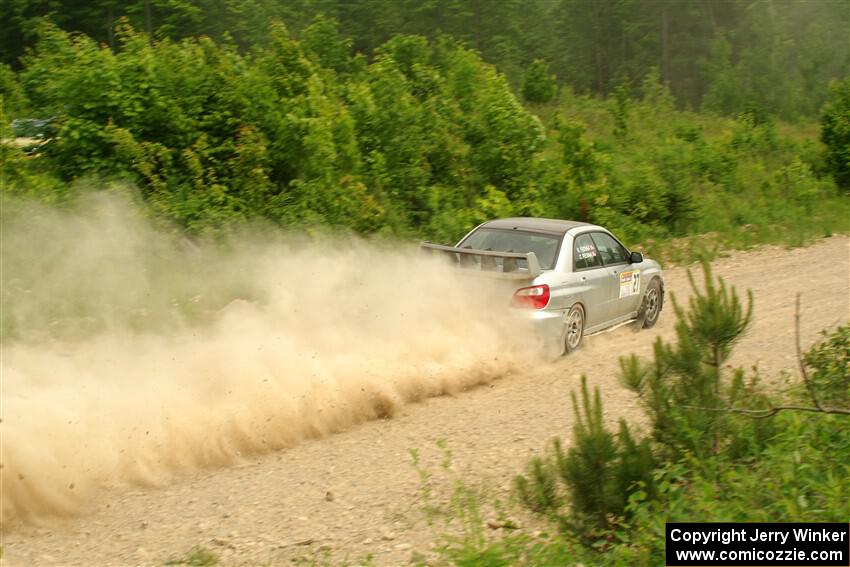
(545, 246)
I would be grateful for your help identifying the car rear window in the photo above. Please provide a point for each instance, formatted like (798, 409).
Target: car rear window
(544, 246)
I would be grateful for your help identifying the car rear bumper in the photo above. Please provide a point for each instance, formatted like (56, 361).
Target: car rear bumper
(546, 326)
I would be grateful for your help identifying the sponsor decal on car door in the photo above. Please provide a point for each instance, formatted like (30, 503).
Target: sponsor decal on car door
(629, 283)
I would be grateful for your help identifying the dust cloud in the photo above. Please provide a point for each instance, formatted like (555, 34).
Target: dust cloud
(130, 355)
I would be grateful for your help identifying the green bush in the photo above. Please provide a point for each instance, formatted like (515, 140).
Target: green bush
(835, 132)
(829, 362)
(539, 85)
(11, 91)
(600, 470)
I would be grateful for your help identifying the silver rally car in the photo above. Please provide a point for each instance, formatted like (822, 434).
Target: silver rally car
(569, 278)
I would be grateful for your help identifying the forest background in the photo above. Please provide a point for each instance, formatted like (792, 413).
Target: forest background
(662, 120)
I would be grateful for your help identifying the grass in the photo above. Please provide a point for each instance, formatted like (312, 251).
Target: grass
(197, 557)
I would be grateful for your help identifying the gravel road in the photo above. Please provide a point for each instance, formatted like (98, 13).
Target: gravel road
(356, 492)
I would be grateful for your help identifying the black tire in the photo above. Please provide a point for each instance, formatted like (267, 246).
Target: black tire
(573, 328)
(653, 301)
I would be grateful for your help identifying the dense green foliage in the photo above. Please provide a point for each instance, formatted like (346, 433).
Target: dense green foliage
(835, 132)
(539, 85)
(830, 361)
(794, 465)
(424, 138)
(773, 56)
(213, 137)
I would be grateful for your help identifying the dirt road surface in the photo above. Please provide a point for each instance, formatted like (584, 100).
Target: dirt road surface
(357, 493)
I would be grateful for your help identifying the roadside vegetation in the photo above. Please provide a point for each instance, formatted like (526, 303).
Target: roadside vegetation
(197, 557)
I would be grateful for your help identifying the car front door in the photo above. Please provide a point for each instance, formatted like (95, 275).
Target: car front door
(625, 289)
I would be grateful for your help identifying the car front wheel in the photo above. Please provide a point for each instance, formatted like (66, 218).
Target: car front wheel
(653, 301)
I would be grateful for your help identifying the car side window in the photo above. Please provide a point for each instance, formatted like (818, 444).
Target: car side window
(611, 251)
(585, 254)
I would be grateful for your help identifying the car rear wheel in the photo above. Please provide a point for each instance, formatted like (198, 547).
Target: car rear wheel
(653, 301)
(574, 328)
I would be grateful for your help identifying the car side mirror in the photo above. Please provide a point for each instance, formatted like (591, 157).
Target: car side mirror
(636, 258)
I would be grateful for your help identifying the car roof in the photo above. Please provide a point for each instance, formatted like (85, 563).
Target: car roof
(550, 226)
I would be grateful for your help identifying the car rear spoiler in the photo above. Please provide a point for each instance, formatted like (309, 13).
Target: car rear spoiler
(485, 261)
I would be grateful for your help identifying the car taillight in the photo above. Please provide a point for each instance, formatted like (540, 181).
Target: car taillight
(534, 297)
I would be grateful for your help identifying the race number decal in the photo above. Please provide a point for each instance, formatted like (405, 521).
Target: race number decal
(629, 283)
